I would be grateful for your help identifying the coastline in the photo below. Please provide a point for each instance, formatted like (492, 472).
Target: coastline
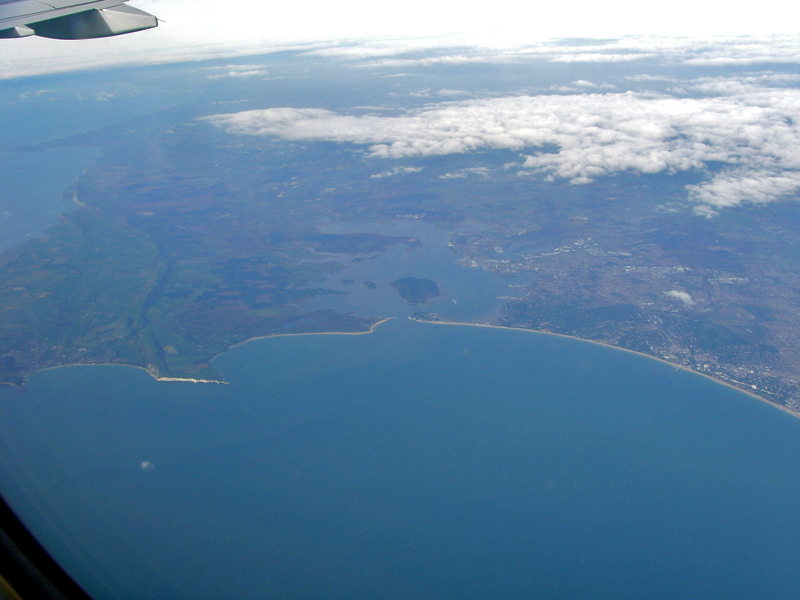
(753, 395)
(189, 380)
(274, 335)
(154, 374)
(150, 372)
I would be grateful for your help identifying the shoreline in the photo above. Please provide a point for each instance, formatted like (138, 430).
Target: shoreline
(372, 328)
(274, 335)
(150, 372)
(159, 378)
(753, 395)
(189, 380)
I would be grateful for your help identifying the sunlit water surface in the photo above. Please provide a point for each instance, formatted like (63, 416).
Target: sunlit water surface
(419, 461)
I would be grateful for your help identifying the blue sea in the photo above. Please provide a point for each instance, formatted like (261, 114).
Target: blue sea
(419, 461)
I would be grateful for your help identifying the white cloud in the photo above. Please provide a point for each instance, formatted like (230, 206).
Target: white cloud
(598, 57)
(745, 51)
(456, 59)
(732, 189)
(36, 94)
(753, 130)
(647, 78)
(51, 95)
(446, 92)
(682, 296)
(396, 171)
(452, 49)
(236, 67)
(462, 173)
(239, 73)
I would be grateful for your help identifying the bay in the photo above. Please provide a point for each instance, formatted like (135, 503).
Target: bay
(419, 461)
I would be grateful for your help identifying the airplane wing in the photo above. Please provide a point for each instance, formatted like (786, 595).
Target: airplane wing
(71, 19)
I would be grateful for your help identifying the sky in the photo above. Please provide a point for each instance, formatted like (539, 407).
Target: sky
(499, 19)
(196, 29)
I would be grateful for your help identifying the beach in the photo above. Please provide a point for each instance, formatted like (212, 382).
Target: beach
(785, 409)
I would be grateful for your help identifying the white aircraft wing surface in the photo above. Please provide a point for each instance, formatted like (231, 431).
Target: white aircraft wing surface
(71, 19)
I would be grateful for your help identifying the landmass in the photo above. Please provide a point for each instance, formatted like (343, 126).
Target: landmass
(183, 244)
(97, 290)
(718, 296)
(164, 268)
(416, 291)
(428, 317)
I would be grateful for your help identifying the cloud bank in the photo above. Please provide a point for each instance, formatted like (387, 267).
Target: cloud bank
(189, 34)
(752, 130)
(453, 50)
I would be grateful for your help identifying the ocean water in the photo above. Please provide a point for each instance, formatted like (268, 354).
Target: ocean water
(419, 461)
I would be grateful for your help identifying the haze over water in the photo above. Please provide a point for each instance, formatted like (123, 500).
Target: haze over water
(423, 460)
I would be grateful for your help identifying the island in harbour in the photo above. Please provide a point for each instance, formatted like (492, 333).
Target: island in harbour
(415, 290)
